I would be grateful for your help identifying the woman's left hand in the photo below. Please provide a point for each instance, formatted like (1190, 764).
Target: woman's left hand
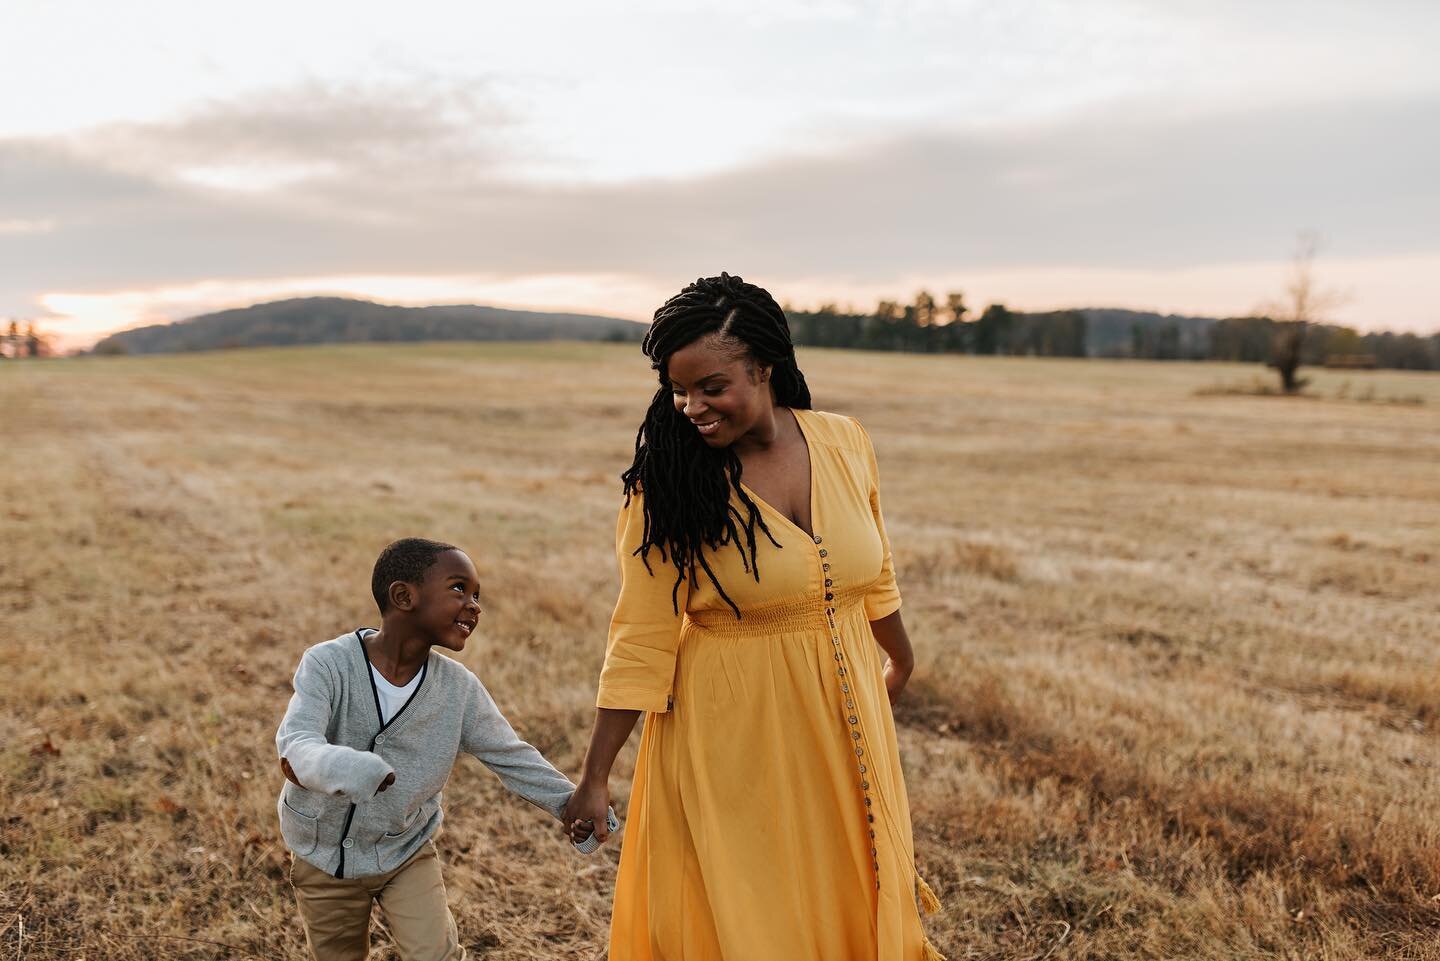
(890, 634)
(896, 676)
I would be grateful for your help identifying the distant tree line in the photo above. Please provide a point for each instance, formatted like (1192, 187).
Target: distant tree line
(1251, 339)
(930, 326)
(31, 342)
(927, 326)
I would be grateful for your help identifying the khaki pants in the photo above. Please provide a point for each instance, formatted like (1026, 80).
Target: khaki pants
(336, 911)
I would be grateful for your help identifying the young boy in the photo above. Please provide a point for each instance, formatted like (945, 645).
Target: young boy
(368, 741)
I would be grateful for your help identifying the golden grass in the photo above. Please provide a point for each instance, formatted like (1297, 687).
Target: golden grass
(1177, 687)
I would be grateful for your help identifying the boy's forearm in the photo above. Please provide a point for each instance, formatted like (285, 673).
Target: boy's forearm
(612, 729)
(332, 768)
(525, 772)
(316, 764)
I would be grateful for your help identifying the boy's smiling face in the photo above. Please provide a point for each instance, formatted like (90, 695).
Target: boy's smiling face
(447, 602)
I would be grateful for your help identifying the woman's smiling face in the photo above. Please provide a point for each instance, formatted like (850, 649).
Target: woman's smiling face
(718, 387)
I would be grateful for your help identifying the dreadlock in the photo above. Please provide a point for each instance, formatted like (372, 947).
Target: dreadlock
(687, 484)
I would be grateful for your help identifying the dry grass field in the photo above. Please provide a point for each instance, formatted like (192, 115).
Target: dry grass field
(1177, 693)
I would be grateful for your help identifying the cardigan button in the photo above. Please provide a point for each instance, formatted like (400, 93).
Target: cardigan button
(348, 843)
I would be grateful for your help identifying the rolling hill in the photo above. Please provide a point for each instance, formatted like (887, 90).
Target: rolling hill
(331, 320)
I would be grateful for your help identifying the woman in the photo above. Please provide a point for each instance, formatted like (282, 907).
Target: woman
(769, 818)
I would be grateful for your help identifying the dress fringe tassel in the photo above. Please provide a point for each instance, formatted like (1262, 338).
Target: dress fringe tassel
(929, 903)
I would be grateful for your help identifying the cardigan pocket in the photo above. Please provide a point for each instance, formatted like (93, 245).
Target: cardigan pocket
(420, 816)
(300, 830)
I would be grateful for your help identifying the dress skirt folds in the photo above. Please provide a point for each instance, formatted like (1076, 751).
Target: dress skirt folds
(768, 819)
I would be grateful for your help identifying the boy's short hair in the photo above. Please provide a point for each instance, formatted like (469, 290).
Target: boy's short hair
(405, 560)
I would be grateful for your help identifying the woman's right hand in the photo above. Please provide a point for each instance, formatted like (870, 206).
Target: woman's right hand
(588, 805)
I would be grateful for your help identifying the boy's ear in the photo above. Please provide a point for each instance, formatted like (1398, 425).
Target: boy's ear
(402, 596)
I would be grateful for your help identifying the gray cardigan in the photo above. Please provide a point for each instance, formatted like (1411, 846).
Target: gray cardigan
(338, 749)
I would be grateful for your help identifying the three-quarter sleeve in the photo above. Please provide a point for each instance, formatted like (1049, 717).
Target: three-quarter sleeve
(883, 597)
(639, 671)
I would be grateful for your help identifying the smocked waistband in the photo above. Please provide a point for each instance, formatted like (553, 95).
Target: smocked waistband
(802, 615)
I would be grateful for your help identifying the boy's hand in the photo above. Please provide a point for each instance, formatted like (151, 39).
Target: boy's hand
(578, 831)
(585, 811)
(389, 780)
(289, 773)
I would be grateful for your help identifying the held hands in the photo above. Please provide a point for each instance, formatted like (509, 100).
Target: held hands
(585, 813)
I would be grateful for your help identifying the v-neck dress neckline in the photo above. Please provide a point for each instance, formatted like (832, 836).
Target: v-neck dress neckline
(814, 503)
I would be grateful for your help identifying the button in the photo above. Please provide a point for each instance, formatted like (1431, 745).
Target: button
(839, 656)
(348, 843)
(829, 582)
(845, 688)
(817, 538)
(841, 672)
(379, 739)
(854, 719)
(859, 752)
(829, 597)
(864, 785)
(871, 819)
(855, 735)
(867, 802)
(862, 769)
(825, 567)
(824, 552)
(849, 703)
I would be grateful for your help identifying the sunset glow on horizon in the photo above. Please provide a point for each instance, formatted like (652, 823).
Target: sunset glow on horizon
(1105, 154)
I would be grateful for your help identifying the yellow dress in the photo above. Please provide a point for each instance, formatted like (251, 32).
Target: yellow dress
(768, 819)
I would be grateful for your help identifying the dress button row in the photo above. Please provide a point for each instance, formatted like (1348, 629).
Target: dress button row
(849, 705)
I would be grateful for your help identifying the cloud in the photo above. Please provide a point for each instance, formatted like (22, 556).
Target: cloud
(385, 181)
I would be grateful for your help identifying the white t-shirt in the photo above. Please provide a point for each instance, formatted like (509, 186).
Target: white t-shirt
(393, 698)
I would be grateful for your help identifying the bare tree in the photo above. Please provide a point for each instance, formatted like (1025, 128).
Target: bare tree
(1304, 303)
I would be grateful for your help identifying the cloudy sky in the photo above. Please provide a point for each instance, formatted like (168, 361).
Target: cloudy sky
(159, 159)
